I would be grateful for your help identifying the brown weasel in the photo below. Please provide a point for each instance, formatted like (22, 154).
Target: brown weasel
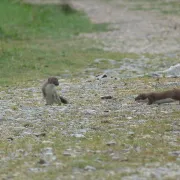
(156, 96)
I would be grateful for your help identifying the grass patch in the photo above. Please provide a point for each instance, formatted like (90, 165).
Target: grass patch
(25, 21)
(27, 60)
(158, 6)
(39, 40)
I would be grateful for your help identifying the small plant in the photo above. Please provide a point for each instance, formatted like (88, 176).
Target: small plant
(14, 107)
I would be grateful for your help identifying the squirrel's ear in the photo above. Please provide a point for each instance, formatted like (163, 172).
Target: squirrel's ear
(49, 79)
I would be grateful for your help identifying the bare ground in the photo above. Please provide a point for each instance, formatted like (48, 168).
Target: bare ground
(131, 31)
(90, 138)
(134, 31)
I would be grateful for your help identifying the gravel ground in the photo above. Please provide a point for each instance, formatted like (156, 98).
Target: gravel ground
(23, 113)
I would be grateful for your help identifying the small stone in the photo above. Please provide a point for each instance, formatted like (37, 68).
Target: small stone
(104, 76)
(111, 143)
(98, 151)
(1, 118)
(27, 125)
(90, 112)
(47, 142)
(129, 118)
(10, 138)
(115, 158)
(47, 154)
(106, 97)
(130, 133)
(43, 134)
(36, 170)
(105, 121)
(101, 76)
(174, 153)
(41, 161)
(137, 149)
(90, 168)
(78, 135)
(119, 158)
(66, 153)
(26, 133)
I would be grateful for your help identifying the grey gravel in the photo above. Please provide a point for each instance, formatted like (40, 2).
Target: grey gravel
(90, 168)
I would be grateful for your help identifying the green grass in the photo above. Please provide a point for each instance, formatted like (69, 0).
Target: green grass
(28, 60)
(40, 40)
(24, 21)
(37, 41)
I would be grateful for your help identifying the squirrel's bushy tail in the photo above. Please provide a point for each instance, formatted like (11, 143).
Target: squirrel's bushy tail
(63, 100)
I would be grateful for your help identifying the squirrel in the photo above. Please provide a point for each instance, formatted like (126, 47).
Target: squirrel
(50, 94)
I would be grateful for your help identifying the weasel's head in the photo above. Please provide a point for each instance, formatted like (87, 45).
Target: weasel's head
(141, 97)
(53, 80)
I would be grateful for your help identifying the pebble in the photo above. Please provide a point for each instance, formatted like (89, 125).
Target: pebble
(90, 168)
(111, 143)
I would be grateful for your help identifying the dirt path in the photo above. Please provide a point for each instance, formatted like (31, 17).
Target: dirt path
(133, 31)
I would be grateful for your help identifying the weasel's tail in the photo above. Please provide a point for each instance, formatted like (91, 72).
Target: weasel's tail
(63, 100)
